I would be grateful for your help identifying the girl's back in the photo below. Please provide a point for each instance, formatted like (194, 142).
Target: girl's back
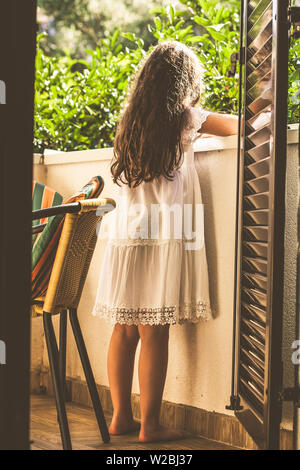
(154, 271)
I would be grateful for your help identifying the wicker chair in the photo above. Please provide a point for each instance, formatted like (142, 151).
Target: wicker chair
(70, 268)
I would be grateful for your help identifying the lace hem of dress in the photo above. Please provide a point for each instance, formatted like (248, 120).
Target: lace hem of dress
(194, 312)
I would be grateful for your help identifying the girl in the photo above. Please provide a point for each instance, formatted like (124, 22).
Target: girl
(154, 272)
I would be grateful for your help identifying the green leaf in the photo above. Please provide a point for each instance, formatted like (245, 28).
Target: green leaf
(118, 49)
(195, 39)
(216, 35)
(216, 27)
(157, 22)
(201, 21)
(295, 76)
(129, 36)
(179, 24)
(219, 14)
(115, 37)
(204, 4)
(158, 11)
(171, 13)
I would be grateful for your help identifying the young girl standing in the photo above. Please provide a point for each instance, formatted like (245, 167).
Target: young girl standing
(154, 271)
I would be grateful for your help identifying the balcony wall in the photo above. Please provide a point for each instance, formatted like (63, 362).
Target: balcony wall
(199, 372)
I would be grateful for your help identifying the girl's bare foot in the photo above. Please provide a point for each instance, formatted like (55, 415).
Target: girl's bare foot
(161, 433)
(119, 426)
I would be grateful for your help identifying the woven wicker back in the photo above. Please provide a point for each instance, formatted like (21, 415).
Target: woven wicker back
(73, 257)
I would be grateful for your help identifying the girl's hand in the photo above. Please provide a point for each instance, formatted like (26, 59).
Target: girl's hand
(227, 124)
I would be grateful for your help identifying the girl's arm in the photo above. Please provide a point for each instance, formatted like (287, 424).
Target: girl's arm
(220, 124)
(227, 124)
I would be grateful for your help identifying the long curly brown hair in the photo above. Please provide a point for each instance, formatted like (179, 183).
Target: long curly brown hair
(148, 138)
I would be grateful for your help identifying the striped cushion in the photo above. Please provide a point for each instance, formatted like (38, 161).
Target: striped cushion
(45, 246)
(42, 198)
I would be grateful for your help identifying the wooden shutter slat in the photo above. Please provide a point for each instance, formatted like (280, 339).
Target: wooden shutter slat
(253, 393)
(257, 248)
(255, 280)
(261, 135)
(258, 55)
(258, 185)
(259, 168)
(261, 38)
(260, 102)
(257, 329)
(255, 360)
(254, 344)
(260, 24)
(259, 152)
(255, 296)
(260, 70)
(251, 371)
(257, 200)
(257, 216)
(261, 88)
(259, 265)
(255, 311)
(257, 233)
(254, 122)
(258, 10)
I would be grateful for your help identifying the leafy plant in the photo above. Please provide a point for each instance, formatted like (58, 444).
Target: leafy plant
(80, 24)
(294, 82)
(78, 102)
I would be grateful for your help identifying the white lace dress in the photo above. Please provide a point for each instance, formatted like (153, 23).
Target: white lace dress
(154, 269)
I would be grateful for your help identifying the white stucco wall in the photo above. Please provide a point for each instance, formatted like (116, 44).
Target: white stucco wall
(199, 372)
(290, 277)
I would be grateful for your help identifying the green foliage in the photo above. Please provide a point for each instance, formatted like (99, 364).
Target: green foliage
(78, 102)
(294, 82)
(80, 24)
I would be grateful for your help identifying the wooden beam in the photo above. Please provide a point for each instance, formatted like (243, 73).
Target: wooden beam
(17, 53)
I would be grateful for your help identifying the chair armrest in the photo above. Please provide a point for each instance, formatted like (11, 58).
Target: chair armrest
(73, 207)
(100, 205)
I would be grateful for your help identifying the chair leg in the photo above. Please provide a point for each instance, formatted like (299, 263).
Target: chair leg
(55, 373)
(89, 375)
(62, 349)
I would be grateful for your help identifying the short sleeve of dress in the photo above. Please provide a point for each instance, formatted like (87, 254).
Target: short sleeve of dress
(194, 119)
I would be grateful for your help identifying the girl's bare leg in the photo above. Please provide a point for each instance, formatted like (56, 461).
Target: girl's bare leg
(120, 364)
(153, 363)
